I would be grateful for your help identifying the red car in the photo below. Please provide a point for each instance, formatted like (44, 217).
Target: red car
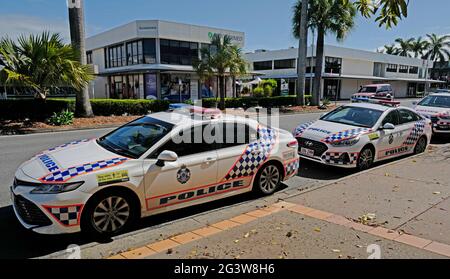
(374, 91)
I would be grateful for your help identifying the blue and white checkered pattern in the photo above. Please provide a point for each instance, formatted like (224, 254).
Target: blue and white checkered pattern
(69, 144)
(334, 158)
(416, 133)
(345, 135)
(68, 216)
(65, 175)
(301, 129)
(292, 168)
(255, 155)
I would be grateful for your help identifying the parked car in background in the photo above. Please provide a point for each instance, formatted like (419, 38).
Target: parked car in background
(374, 91)
(437, 108)
(442, 91)
(358, 135)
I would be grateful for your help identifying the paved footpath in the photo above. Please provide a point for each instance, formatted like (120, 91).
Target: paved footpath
(399, 210)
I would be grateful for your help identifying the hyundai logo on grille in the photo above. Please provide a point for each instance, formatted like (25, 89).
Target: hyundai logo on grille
(309, 144)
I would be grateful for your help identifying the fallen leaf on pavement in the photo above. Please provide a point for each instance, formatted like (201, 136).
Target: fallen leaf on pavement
(317, 230)
(247, 235)
(436, 193)
(336, 251)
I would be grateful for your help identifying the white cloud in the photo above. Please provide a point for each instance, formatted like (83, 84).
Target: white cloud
(15, 25)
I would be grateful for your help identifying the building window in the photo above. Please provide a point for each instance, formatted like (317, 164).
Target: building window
(403, 69)
(89, 57)
(414, 70)
(115, 56)
(284, 64)
(149, 51)
(127, 87)
(178, 52)
(333, 65)
(392, 68)
(262, 65)
(311, 65)
(135, 53)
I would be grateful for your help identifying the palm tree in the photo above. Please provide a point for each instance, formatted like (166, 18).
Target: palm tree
(404, 47)
(220, 58)
(418, 47)
(438, 48)
(390, 49)
(41, 63)
(77, 34)
(328, 16)
(300, 31)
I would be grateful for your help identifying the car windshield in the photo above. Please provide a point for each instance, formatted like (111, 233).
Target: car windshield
(368, 89)
(135, 138)
(436, 101)
(355, 116)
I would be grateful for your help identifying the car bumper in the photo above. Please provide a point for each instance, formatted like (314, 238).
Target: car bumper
(48, 214)
(346, 160)
(443, 128)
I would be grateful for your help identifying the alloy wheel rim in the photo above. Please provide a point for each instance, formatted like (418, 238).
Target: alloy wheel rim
(421, 146)
(366, 158)
(269, 179)
(111, 214)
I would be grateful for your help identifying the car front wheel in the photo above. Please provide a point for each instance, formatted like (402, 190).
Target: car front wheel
(108, 214)
(267, 180)
(365, 159)
(421, 145)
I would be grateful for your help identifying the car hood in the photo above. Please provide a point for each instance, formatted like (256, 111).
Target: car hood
(77, 158)
(431, 111)
(330, 132)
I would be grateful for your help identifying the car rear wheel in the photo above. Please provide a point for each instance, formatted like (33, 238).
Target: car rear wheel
(365, 159)
(421, 146)
(108, 214)
(267, 180)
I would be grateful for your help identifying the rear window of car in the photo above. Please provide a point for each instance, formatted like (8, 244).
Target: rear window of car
(369, 89)
(436, 101)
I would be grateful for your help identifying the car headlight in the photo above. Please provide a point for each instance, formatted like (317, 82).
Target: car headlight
(348, 142)
(56, 188)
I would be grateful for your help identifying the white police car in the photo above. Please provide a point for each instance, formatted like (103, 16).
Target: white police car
(357, 135)
(437, 108)
(158, 163)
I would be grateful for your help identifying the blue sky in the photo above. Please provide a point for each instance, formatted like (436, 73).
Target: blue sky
(267, 23)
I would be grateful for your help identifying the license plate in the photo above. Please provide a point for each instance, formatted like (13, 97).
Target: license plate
(307, 152)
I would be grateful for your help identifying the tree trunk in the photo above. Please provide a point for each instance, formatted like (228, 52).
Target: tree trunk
(319, 66)
(222, 92)
(77, 33)
(302, 54)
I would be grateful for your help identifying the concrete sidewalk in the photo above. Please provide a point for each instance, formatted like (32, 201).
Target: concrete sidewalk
(396, 211)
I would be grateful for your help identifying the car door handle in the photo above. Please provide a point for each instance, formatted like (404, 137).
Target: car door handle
(209, 161)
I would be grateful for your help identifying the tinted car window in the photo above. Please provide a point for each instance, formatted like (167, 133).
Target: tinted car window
(356, 116)
(188, 142)
(436, 101)
(407, 116)
(134, 139)
(392, 118)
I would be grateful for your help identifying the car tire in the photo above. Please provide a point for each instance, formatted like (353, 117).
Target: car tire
(421, 145)
(267, 180)
(108, 214)
(366, 158)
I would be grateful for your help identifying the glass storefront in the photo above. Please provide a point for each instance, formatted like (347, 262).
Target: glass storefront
(126, 87)
(176, 87)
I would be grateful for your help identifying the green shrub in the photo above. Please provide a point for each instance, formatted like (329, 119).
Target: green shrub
(41, 110)
(268, 91)
(62, 118)
(326, 102)
(258, 92)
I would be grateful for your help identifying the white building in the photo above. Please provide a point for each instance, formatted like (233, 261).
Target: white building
(345, 70)
(152, 59)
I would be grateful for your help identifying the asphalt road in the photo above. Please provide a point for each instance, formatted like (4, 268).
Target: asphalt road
(16, 242)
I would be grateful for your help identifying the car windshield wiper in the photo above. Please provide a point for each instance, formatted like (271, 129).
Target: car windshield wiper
(118, 151)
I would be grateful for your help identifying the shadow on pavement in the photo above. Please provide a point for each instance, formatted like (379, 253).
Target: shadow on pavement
(19, 243)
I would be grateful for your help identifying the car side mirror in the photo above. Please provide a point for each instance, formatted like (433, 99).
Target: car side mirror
(166, 156)
(388, 126)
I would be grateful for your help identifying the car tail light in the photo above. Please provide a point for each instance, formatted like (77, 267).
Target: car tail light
(293, 144)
